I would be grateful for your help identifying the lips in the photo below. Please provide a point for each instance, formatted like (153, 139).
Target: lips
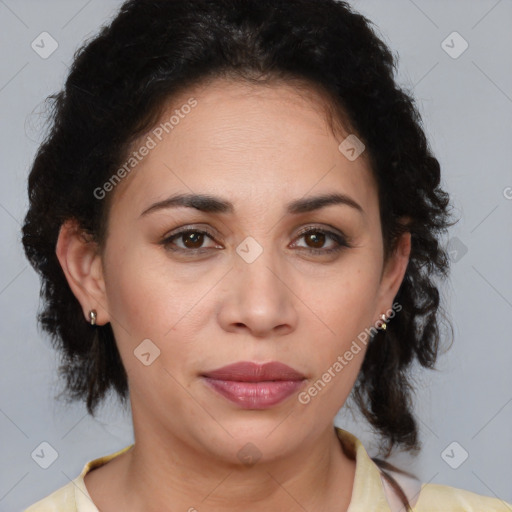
(253, 386)
(253, 372)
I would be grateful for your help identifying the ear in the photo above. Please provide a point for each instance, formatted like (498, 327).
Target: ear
(81, 262)
(393, 274)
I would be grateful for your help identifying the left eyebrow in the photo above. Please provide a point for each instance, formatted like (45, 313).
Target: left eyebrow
(310, 204)
(212, 204)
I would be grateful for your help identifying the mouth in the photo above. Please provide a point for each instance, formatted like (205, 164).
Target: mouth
(254, 372)
(254, 386)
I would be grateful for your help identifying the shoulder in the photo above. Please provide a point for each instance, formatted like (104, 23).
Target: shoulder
(443, 498)
(61, 500)
(74, 497)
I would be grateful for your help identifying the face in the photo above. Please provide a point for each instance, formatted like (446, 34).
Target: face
(252, 279)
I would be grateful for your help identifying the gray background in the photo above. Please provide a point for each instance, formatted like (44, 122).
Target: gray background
(466, 103)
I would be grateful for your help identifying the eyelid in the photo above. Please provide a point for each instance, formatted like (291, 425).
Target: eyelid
(342, 241)
(325, 228)
(191, 227)
(166, 240)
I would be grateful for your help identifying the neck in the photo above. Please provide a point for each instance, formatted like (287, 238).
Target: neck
(319, 476)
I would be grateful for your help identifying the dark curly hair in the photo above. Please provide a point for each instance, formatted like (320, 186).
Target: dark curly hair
(119, 83)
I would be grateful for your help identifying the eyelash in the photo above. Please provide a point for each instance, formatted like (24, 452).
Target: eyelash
(340, 240)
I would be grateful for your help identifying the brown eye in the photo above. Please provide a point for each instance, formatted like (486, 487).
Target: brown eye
(315, 239)
(190, 240)
(193, 239)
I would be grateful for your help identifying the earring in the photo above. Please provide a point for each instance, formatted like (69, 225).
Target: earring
(92, 316)
(384, 325)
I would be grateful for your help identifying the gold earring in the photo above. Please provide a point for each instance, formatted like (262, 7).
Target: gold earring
(92, 316)
(384, 325)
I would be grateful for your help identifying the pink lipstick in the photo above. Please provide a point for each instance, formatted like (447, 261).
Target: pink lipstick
(255, 386)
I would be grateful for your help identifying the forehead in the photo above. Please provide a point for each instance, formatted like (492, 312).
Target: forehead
(245, 140)
(290, 102)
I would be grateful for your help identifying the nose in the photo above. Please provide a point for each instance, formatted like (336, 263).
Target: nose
(259, 299)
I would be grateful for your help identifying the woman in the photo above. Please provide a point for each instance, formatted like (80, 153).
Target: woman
(236, 217)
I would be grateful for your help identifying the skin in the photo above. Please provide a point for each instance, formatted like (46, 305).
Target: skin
(260, 148)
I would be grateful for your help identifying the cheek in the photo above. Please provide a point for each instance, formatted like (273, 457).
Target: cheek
(136, 300)
(346, 307)
(347, 301)
(141, 296)
(147, 304)
(339, 354)
(148, 298)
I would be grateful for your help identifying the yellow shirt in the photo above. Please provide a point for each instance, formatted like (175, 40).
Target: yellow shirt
(370, 493)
